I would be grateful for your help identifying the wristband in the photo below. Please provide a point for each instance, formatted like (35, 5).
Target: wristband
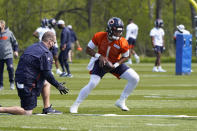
(97, 55)
(116, 64)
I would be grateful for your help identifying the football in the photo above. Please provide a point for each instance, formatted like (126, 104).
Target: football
(108, 66)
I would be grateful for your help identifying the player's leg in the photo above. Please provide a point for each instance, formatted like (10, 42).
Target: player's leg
(137, 58)
(133, 78)
(156, 51)
(10, 68)
(16, 110)
(1, 73)
(94, 80)
(71, 53)
(46, 100)
(67, 64)
(28, 102)
(55, 57)
(160, 69)
(61, 60)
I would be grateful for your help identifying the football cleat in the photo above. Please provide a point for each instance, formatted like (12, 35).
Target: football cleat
(50, 110)
(12, 86)
(74, 108)
(58, 71)
(69, 75)
(121, 104)
(63, 74)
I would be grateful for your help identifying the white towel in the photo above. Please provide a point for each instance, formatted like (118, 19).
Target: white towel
(91, 63)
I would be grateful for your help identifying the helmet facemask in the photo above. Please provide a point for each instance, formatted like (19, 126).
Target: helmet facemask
(116, 33)
(159, 23)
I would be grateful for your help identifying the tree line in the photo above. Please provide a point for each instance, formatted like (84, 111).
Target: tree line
(90, 16)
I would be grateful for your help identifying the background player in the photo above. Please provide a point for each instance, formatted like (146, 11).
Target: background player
(131, 36)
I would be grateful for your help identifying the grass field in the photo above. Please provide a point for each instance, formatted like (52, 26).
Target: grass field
(155, 105)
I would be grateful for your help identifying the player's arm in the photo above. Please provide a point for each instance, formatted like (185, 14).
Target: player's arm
(152, 41)
(123, 59)
(50, 78)
(35, 34)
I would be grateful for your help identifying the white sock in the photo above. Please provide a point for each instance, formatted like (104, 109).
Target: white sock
(94, 80)
(136, 56)
(133, 79)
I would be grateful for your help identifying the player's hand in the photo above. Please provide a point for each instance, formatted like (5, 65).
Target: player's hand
(62, 89)
(63, 47)
(164, 48)
(102, 61)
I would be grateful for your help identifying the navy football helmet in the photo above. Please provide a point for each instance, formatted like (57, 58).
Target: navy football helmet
(44, 22)
(158, 23)
(52, 23)
(115, 27)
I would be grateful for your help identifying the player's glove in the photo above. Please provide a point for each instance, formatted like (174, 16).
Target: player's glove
(62, 89)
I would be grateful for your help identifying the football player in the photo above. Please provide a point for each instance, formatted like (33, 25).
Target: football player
(157, 39)
(114, 48)
(48, 25)
(131, 36)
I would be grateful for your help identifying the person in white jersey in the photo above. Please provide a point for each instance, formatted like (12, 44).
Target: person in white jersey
(48, 25)
(131, 36)
(180, 30)
(157, 39)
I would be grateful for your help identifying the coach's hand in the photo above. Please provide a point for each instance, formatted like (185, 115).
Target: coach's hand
(62, 89)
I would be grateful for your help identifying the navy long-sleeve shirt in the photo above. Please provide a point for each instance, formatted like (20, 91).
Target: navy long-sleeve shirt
(65, 37)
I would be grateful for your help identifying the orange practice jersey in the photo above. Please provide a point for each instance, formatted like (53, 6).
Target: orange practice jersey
(111, 50)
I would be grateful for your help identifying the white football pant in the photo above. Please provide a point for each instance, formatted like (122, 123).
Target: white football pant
(130, 75)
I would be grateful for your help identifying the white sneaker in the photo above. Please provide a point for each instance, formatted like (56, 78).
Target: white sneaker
(161, 70)
(121, 104)
(155, 69)
(58, 71)
(74, 108)
(12, 86)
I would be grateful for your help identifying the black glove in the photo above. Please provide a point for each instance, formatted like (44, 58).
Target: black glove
(62, 88)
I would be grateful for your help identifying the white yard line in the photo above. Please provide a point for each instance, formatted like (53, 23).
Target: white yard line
(176, 116)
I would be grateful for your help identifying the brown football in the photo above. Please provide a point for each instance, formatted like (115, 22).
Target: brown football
(108, 66)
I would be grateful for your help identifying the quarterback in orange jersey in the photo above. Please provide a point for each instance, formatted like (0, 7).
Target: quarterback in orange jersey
(113, 51)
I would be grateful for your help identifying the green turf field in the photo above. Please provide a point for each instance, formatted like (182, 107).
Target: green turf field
(157, 104)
